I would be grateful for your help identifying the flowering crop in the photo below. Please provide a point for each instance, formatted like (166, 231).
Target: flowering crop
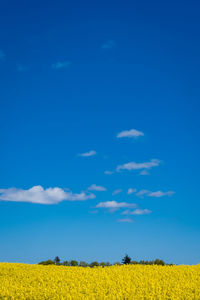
(20, 281)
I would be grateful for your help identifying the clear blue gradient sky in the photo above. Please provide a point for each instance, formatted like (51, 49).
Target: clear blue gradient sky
(75, 74)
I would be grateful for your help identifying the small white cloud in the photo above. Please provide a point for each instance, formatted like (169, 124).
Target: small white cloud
(2, 55)
(87, 154)
(108, 45)
(79, 197)
(131, 191)
(159, 194)
(97, 188)
(37, 194)
(116, 192)
(115, 205)
(141, 212)
(142, 193)
(133, 133)
(137, 212)
(125, 220)
(144, 173)
(137, 166)
(108, 172)
(61, 65)
(156, 194)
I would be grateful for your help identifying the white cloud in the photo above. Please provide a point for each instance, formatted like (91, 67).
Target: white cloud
(87, 154)
(131, 191)
(108, 45)
(79, 197)
(108, 172)
(116, 192)
(125, 220)
(61, 65)
(97, 188)
(137, 166)
(115, 205)
(2, 55)
(141, 212)
(156, 194)
(133, 133)
(142, 193)
(144, 172)
(159, 194)
(37, 194)
(137, 212)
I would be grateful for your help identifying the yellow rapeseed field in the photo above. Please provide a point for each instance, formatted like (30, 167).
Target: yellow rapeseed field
(20, 281)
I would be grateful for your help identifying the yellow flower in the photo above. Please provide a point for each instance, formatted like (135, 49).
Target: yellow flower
(137, 282)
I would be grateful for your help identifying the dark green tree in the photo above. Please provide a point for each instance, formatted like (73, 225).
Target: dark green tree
(83, 264)
(66, 263)
(159, 262)
(73, 263)
(102, 264)
(107, 264)
(57, 260)
(94, 264)
(126, 260)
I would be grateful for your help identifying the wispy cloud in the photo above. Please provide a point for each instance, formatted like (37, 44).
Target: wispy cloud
(159, 194)
(37, 194)
(138, 166)
(144, 173)
(87, 154)
(142, 193)
(125, 220)
(156, 194)
(108, 172)
(117, 192)
(115, 205)
(137, 211)
(61, 65)
(132, 133)
(131, 191)
(2, 55)
(79, 197)
(97, 188)
(108, 45)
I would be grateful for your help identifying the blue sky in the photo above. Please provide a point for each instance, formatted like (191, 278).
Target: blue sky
(99, 130)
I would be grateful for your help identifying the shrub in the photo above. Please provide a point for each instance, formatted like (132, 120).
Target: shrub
(159, 262)
(73, 263)
(83, 264)
(117, 263)
(94, 264)
(47, 262)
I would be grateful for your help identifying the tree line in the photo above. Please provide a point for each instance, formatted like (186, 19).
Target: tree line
(125, 261)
